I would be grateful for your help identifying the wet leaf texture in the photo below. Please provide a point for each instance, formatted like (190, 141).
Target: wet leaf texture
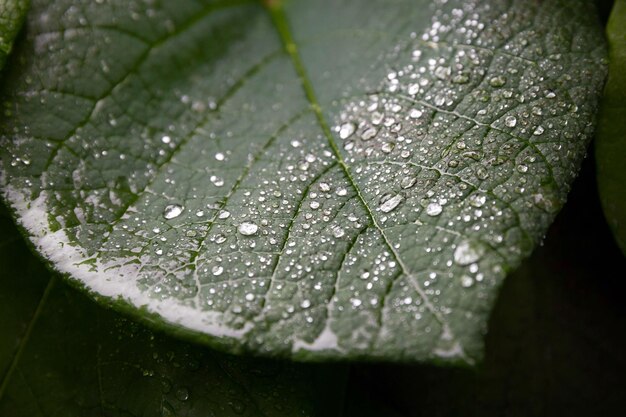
(329, 179)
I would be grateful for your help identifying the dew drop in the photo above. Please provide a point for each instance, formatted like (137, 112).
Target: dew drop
(391, 203)
(217, 270)
(338, 232)
(182, 394)
(415, 114)
(248, 228)
(368, 134)
(346, 130)
(467, 281)
(250, 297)
(477, 200)
(468, 252)
(172, 211)
(510, 121)
(539, 131)
(497, 81)
(434, 209)
(408, 182)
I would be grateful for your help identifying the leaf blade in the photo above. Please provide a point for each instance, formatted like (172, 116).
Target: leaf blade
(284, 243)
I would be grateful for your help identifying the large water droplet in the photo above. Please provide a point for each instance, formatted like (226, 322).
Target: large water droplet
(172, 211)
(346, 130)
(391, 203)
(510, 121)
(434, 209)
(248, 228)
(468, 252)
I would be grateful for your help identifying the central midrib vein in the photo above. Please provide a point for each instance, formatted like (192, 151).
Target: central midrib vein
(282, 26)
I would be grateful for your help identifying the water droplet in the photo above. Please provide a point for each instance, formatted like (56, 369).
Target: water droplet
(468, 252)
(467, 281)
(408, 182)
(338, 232)
(219, 156)
(388, 147)
(368, 134)
(248, 228)
(510, 121)
(172, 211)
(217, 270)
(182, 394)
(314, 205)
(477, 200)
(342, 191)
(166, 139)
(434, 209)
(355, 302)
(391, 203)
(217, 181)
(250, 297)
(497, 81)
(224, 214)
(346, 130)
(413, 89)
(305, 303)
(415, 114)
(539, 131)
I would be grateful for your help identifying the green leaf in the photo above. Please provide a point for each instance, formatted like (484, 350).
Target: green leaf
(61, 354)
(309, 180)
(610, 145)
(12, 13)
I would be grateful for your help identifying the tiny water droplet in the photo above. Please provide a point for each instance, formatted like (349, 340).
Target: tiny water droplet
(217, 270)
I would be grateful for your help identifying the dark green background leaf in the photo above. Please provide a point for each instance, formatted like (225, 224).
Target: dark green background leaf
(310, 182)
(12, 13)
(611, 137)
(62, 355)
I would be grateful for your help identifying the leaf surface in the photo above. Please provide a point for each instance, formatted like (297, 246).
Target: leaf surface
(610, 145)
(308, 180)
(62, 354)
